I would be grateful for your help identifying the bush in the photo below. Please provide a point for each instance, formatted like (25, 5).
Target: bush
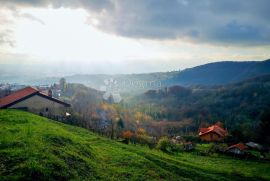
(145, 140)
(216, 148)
(127, 135)
(193, 139)
(164, 144)
(177, 148)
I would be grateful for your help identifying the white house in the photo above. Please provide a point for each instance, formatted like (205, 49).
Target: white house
(31, 99)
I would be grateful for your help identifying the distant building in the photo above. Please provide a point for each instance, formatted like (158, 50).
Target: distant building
(253, 145)
(238, 149)
(188, 146)
(31, 99)
(213, 133)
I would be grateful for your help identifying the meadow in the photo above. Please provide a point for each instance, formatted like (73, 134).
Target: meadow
(37, 148)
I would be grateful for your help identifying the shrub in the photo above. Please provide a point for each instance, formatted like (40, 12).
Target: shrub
(145, 140)
(194, 139)
(141, 131)
(164, 144)
(127, 135)
(217, 148)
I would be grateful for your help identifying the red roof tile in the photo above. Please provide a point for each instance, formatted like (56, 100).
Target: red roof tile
(22, 93)
(215, 128)
(240, 146)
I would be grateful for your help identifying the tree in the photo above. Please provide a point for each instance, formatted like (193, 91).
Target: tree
(110, 99)
(265, 128)
(62, 84)
(111, 114)
(127, 135)
(120, 123)
(141, 131)
(119, 126)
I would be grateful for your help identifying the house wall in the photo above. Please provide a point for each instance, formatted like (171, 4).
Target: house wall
(235, 151)
(41, 105)
(211, 137)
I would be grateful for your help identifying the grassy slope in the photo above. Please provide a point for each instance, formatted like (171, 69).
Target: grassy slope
(34, 147)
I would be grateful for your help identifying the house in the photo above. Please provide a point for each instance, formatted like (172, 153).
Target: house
(238, 149)
(33, 100)
(213, 133)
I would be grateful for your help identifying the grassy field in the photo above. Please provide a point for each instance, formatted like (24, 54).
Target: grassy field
(36, 148)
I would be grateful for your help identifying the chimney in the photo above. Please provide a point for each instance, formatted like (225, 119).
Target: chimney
(50, 93)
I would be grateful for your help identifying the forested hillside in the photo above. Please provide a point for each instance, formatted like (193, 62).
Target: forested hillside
(220, 73)
(239, 106)
(177, 110)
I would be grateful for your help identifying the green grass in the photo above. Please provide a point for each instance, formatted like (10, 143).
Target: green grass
(36, 148)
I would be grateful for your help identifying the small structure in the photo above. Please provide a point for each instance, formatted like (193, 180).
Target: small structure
(177, 140)
(253, 145)
(188, 146)
(238, 149)
(213, 133)
(31, 99)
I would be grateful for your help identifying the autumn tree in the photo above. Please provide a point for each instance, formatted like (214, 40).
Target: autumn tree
(127, 135)
(111, 115)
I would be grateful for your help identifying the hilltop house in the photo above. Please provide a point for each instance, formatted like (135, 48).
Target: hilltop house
(213, 133)
(33, 100)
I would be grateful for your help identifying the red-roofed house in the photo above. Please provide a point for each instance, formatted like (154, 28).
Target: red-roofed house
(238, 149)
(213, 133)
(33, 100)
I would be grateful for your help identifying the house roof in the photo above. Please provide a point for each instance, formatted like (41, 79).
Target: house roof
(253, 145)
(240, 146)
(16, 96)
(23, 94)
(215, 128)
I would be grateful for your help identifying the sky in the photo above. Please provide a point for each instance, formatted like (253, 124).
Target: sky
(54, 37)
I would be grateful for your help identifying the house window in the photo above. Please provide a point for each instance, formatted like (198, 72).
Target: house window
(46, 109)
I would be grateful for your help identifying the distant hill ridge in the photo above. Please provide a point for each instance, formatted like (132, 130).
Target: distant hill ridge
(217, 73)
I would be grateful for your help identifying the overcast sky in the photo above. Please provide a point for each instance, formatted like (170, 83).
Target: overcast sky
(130, 36)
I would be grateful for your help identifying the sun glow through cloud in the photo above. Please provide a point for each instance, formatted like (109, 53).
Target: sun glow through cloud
(65, 35)
(72, 37)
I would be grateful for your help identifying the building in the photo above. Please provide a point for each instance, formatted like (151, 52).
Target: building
(213, 133)
(238, 149)
(32, 100)
(253, 145)
(188, 146)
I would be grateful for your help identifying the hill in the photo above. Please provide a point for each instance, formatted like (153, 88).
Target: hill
(36, 148)
(240, 105)
(217, 73)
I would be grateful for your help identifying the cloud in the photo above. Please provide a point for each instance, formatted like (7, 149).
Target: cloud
(224, 22)
(33, 18)
(228, 22)
(93, 5)
(5, 38)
